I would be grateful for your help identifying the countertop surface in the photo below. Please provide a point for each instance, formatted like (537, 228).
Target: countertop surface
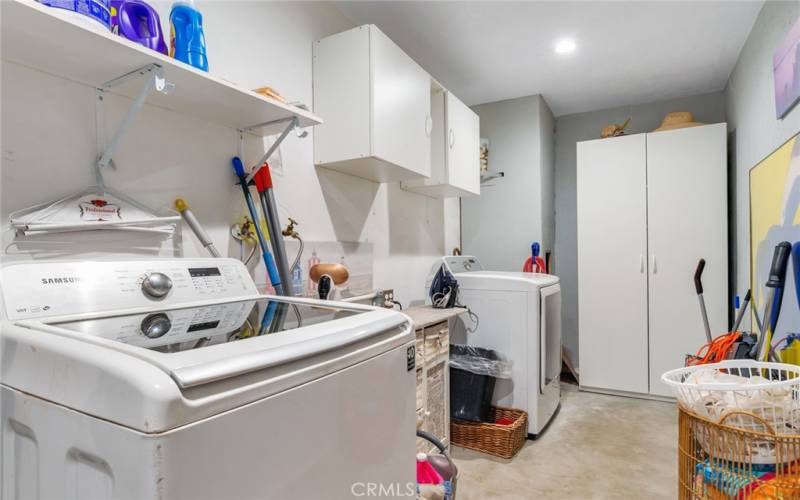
(423, 316)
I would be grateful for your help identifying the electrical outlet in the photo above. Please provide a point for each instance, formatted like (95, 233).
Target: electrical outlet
(384, 298)
(388, 296)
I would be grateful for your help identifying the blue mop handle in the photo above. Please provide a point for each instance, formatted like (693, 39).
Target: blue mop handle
(796, 270)
(269, 314)
(272, 270)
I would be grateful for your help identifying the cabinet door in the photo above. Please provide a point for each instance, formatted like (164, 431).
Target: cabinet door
(401, 102)
(612, 278)
(463, 146)
(341, 95)
(687, 221)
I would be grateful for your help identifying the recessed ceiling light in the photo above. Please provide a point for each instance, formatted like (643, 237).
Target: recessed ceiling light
(565, 46)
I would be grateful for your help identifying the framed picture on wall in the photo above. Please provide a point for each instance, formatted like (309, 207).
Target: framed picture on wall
(775, 217)
(786, 71)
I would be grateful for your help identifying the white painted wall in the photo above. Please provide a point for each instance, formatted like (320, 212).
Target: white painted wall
(750, 110)
(48, 145)
(500, 225)
(570, 129)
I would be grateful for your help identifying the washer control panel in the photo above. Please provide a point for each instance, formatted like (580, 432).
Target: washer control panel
(462, 264)
(34, 290)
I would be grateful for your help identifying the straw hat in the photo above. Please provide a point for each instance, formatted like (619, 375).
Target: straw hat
(676, 120)
(614, 130)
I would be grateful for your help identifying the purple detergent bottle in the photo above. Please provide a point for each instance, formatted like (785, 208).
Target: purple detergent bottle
(139, 22)
(187, 41)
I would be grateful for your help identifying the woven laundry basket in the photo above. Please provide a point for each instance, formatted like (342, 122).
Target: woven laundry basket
(502, 441)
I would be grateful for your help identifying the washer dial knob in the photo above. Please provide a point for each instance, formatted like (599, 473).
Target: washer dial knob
(155, 325)
(156, 285)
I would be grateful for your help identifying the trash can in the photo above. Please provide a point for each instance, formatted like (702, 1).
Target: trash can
(473, 373)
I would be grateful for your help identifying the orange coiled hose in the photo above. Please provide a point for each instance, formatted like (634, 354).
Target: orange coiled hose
(715, 351)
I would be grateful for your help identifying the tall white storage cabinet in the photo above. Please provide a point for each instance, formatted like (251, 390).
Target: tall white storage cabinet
(650, 206)
(455, 149)
(376, 104)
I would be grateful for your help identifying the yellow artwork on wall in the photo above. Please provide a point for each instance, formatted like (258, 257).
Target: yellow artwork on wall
(775, 217)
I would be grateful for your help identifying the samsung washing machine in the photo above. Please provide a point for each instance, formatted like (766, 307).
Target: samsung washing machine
(519, 316)
(175, 378)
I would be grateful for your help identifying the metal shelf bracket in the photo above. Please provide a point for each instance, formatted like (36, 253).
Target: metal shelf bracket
(292, 124)
(488, 176)
(155, 81)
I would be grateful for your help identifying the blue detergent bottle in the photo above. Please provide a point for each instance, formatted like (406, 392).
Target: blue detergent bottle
(187, 41)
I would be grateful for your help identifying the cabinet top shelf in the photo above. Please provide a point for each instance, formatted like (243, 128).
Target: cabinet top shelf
(39, 37)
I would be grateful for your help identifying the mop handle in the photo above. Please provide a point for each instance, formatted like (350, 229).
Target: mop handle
(698, 276)
(266, 320)
(776, 280)
(269, 262)
(796, 269)
(263, 181)
(194, 225)
(698, 286)
(780, 260)
(742, 309)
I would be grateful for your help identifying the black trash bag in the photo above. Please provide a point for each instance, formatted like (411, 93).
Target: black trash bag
(473, 373)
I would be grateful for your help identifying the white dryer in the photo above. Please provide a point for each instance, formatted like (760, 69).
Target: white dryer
(175, 379)
(519, 316)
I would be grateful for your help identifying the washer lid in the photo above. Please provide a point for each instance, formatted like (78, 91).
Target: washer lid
(160, 369)
(504, 280)
(203, 344)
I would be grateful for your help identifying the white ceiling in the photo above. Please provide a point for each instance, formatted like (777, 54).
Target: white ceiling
(628, 52)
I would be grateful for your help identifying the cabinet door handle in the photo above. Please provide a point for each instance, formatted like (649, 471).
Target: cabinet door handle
(641, 263)
(428, 125)
(452, 138)
(655, 266)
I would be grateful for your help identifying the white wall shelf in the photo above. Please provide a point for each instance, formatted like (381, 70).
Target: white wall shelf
(39, 37)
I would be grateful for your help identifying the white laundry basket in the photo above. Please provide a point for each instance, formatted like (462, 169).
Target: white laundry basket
(770, 391)
(762, 398)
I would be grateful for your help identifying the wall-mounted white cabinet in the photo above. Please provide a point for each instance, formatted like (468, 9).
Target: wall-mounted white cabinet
(376, 104)
(455, 149)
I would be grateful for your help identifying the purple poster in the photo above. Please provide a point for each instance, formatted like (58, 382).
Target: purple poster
(786, 67)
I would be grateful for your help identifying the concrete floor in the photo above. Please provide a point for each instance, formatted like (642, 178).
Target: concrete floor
(603, 447)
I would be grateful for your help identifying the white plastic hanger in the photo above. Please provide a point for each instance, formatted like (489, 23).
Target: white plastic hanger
(94, 208)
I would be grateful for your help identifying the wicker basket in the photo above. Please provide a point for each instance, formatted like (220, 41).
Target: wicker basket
(718, 460)
(502, 441)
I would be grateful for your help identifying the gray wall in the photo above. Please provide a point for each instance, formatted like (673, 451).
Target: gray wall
(570, 129)
(499, 226)
(755, 131)
(547, 153)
